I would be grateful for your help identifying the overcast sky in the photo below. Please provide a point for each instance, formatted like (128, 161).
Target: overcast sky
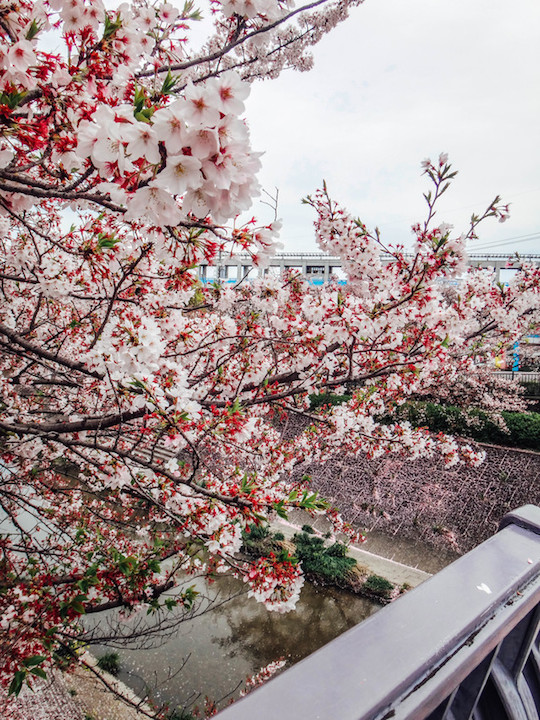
(400, 81)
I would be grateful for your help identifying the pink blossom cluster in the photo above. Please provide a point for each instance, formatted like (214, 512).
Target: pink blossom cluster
(264, 674)
(277, 585)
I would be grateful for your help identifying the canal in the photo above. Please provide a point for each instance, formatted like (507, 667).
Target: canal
(212, 655)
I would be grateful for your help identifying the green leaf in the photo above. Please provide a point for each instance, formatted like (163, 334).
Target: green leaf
(33, 30)
(190, 12)
(247, 484)
(312, 502)
(75, 604)
(127, 565)
(107, 241)
(169, 84)
(138, 384)
(188, 597)
(141, 110)
(111, 26)
(11, 99)
(234, 408)
(154, 607)
(144, 115)
(279, 507)
(34, 660)
(39, 672)
(78, 607)
(17, 682)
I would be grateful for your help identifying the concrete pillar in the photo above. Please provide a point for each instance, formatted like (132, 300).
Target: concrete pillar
(326, 271)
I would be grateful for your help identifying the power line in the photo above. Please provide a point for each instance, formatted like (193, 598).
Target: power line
(520, 237)
(500, 243)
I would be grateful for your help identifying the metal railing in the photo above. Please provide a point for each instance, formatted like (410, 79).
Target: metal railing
(461, 646)
(518, 375)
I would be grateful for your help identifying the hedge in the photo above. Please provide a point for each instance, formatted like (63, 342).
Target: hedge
(523, 428)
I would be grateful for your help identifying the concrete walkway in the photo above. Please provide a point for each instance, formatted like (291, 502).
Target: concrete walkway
(78, 695)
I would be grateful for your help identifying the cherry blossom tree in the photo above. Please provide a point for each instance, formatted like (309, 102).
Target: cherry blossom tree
(141, 411)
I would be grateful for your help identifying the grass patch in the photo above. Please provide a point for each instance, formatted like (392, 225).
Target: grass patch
(110, 662)
(379, 586)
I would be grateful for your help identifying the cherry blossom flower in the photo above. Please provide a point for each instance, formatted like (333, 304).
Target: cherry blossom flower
(202, 104)
(74, 17)
(144, 144)
(204, 142)
(6, 155)
(167, 12)
(180, 173)
(21, 55)
(232, 92)
(170, 127)
(154, 204)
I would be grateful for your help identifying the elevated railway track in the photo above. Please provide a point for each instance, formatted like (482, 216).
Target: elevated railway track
(320, 267)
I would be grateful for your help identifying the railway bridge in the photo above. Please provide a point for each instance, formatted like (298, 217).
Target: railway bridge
(319, 267)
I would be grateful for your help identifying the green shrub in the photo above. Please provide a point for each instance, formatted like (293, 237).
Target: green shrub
(379, 586)
(279, 536)
(317, 401)
(330, 563)
(256, 532)
(181, 714)
(337, 550)
(110, 662)
(532, 387)
(524, 429)
(308, 529)
(259, 541)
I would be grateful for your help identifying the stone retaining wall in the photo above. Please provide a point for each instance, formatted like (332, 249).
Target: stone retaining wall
(458, 507)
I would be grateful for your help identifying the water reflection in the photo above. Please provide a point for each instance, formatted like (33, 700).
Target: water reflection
(211, 655)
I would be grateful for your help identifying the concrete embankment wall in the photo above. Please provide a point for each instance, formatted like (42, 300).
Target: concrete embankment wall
(455, 508)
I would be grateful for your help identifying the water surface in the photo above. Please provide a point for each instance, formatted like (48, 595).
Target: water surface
(211, 655)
